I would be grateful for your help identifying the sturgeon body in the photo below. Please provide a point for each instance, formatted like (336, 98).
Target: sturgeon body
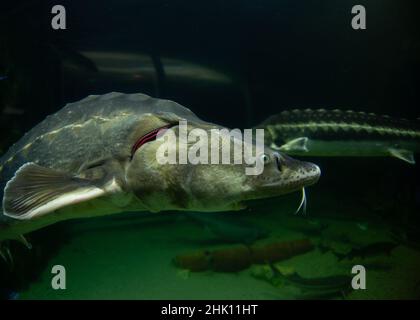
(97, 156)
(342, 133)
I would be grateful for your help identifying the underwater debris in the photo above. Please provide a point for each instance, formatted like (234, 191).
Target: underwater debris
(409, 238)
(277, 251)
(374, 249)
(195, 261)
(309, 288)
(241, 257)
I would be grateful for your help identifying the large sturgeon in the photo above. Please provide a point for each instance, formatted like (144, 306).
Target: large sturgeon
(97, 156)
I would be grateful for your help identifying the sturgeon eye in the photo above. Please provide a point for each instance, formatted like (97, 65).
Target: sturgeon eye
(265, 158)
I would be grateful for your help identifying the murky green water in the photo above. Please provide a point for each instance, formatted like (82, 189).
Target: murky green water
(235, 64)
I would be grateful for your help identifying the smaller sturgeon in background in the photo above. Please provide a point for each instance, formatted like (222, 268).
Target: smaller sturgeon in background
(342, 133)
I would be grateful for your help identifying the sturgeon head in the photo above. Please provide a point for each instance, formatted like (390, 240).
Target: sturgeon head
(211, 186)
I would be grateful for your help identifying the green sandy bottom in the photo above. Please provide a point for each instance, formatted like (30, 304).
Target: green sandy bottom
(129, 257)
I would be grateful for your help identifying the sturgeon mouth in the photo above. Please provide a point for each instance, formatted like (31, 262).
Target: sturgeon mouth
(304, 175)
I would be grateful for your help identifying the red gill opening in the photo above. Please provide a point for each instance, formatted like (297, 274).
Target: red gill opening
(150, 136)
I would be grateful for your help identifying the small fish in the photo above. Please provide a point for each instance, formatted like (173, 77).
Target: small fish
(369, 250)
(3, 77)
(340, 133)
(313, 288)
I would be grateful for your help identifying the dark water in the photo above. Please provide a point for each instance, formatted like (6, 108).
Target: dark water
(233, 63)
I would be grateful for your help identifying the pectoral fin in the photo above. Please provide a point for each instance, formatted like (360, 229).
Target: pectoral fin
(36, 190)
(402, 154)
(298, 144)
